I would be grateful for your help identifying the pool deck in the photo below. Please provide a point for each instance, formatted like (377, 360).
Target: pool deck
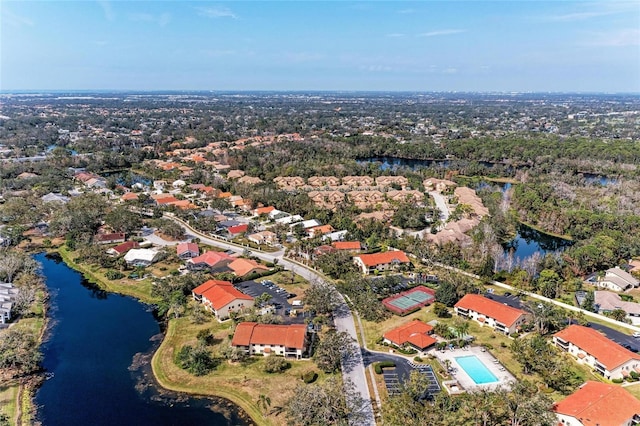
(492, 364)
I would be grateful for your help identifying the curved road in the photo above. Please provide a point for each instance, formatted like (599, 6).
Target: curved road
(353, 368)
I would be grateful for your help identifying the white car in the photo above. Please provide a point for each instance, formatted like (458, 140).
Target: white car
(636, 334)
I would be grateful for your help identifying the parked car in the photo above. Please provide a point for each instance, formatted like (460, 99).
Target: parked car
(636, 334)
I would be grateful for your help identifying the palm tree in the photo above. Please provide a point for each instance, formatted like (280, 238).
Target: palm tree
(264, 402)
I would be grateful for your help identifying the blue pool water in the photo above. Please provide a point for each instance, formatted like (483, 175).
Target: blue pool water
(478, 372)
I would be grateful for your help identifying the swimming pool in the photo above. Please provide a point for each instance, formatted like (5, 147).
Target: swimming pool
(478, 372)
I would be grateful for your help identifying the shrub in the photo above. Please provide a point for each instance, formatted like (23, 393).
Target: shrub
(515, 335)
(488, 346)
(634, 374)
(617, 380)
(378, 366)
(275, 364)
(309, 376)
(113, 275)
(503, 345)
(417, 359)
(196, 360)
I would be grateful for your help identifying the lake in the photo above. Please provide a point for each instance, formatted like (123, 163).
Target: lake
(98, 354)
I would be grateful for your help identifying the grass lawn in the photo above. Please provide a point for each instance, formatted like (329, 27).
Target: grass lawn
(634, 389)
(140, 289)
(8, 396)
(240, 383)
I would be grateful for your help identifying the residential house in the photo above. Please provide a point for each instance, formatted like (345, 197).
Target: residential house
(141, 257)
(319, 230)
(608, 301)
(388, 260)
(8, 294)
(112, 238)
(289, 219)
(485, 311)
(350, 246)
(263, 210)
(129, 196)
(54, 197)
(357, 181)
(410, 196)
(289, 182)
(321, 181)
(121, 249)
(468, 196)
(235, 174)
(221, 298)
(415, 334)
(598, 404)
(250, 180)
(242, 267)
(179, 183)
(234, 231)
(211, 260)
(306, 224)
(615, 279)
(400, 181)
(592, 348)
(326, 199)
(272, 339)
(263, 237)
(439, 185)
(335, 236)
(187, 250)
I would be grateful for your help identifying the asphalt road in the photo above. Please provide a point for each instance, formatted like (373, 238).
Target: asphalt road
(618, 337)
(353, 367)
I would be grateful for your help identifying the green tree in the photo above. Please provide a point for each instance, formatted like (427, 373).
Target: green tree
(325, 404)
(121, 219)
(589, 302)
(446, 294)
(549, 283)
(322, 298)
(332, 349)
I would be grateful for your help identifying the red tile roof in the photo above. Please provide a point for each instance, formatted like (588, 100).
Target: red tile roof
(187, 247)
(502, 313)
(264, 210)
(110, 237)
(607, 352)
(238, 229)
(129, 196)
(383, 258)
(212, 258)
(347, 245)
(166, 200)
(125, 247)
(598, 403)
(221, 293)
(207, 285)
(289, 336)
(415, 332)
(242, 267)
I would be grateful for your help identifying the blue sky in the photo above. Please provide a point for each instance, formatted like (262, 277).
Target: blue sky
(313, 45)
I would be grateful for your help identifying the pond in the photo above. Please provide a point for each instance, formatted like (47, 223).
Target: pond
(528, 241)
(97, 356)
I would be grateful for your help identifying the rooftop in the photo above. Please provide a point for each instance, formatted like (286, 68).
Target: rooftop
(502, 313)
(607, 352)
(289, 336)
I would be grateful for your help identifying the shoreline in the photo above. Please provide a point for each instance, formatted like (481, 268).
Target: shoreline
(251, 409)
(542, 231)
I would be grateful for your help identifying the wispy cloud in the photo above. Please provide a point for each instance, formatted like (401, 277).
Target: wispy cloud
(617, 38)
(406, 11)
(162, 19)
(396, 35)
(577, 16)
(13, 20)
(216, 12)
(441, 33)
(107, 9)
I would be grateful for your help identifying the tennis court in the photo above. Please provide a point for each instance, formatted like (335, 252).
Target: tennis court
(410, 300)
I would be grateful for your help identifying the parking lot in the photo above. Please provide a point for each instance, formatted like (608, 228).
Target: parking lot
(280, 299)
